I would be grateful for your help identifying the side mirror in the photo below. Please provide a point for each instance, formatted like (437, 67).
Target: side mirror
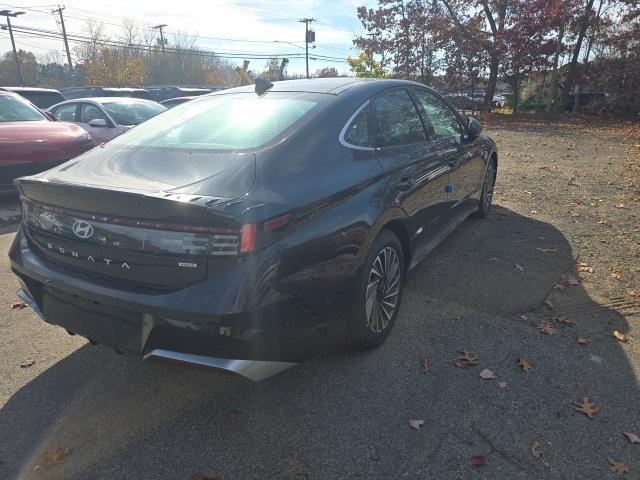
(474, 128)
(98, 122)
(50, 116)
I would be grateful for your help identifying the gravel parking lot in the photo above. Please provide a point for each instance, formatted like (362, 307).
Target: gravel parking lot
(568, 192)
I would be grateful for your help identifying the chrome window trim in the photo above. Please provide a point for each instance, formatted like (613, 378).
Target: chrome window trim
(348, 124)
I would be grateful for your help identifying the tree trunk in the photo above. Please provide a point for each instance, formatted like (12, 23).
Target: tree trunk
(553, 93)
(516, 91)
(494, 64)
(571, 75)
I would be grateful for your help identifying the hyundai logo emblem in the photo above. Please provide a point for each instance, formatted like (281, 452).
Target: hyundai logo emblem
(82, 229)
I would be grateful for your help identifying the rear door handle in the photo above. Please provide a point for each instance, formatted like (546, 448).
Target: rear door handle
(404, 184)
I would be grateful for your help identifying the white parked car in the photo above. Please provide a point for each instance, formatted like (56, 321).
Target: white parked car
(106, 117)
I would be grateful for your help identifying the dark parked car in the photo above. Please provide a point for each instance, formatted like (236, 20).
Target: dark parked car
(164, 93)
(85, 92)
(172, 102)
(106, 117)
(247, 228)
(41, 97)
(30, 142)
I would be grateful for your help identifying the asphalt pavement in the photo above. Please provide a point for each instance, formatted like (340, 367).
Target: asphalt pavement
(84, 412)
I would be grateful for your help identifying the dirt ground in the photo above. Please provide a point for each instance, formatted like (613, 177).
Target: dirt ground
(568, 193)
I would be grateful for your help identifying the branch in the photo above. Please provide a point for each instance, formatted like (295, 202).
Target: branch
(465, 31)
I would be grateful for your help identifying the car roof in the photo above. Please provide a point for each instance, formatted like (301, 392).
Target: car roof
(31, 89)
(332, 86)
(107, 100)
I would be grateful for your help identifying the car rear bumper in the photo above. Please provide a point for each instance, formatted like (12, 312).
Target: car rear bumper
(268, 338)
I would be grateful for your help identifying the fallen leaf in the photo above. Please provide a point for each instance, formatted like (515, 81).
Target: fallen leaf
(477, 460)
(417, 424)
(616, 274)
(535, 449)
(524, 364)
(502, 384)
(586, 407)
(548, 304)
(634, 294)
(559, 286)
(632, 437)
(584, 267)
(18, 306)
(524, 317)
(487, 374)
(621, 337)
(425, 366)
(618, 467)
(519, 267)
(55, 456)
(545, 327)
(29, 362)
(583, 341)
(468, 358)
(564, 321)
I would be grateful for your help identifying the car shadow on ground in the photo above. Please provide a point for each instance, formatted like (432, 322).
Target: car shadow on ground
(344, 414)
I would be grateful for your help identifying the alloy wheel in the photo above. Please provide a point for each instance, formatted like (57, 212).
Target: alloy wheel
(489, 183)
(383, 289)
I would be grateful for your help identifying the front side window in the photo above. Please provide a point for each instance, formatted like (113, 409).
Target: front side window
(397, 120)
(130, 113)
(222, 122)
(444, 121)
(66, 113)
(14, 109)
(90, 112)
(360, 131)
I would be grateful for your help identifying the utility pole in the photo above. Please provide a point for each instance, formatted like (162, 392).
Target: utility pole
(9, 14)
(160, 27)
(309, 37)
(64, 36)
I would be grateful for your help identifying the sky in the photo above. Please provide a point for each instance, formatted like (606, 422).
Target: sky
(234, 26)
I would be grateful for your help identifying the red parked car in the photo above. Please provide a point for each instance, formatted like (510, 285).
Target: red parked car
(30, 142)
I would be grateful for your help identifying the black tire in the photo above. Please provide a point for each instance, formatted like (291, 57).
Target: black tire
(370, 330)
(484, 205)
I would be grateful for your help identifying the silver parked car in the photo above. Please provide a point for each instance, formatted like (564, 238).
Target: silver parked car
(106, 117)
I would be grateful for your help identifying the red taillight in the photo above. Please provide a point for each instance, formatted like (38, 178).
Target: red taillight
(248, 240)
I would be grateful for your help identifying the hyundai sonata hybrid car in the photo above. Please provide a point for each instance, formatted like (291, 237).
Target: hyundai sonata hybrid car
(246, 229)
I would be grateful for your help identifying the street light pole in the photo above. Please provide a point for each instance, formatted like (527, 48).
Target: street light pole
(160, 27)
(9, 14)
(309, 37)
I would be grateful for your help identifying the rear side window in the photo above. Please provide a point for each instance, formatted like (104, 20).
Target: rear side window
(397, 120)
(359, 133)
(223, 122)
(43, 99)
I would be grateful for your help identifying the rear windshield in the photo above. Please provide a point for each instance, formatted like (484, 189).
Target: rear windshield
(220, 122)
(131, 112)
(14, 109)
(43, 99)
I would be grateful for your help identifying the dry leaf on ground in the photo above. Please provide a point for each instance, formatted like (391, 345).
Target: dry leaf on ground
(616, 274)
(487, 374)
(634, 293)
(559, 286)
(535, 449)
(29, 362)
(546, 327)
(573, 279)
(55, 456)
(618, 467)
(519, 267)
(586, 407)
(502, 384)
(524, 364)
(417, 424)
(583, 341)
(18, 306)
(425, 366)
(477, 460)
(564, 320)
(468, 358)
(584, 267)
(621, 337)
(547, 303)
(632, 437)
